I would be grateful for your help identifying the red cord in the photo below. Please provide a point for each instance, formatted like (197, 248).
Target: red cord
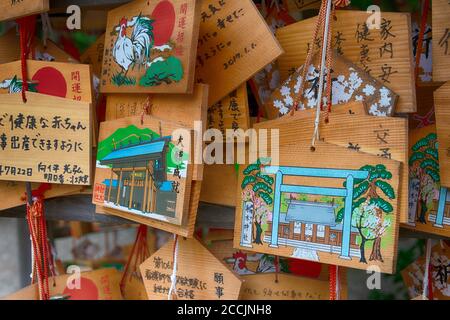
(277, 268)
(333, 275)
(430, 282)
(27, 28)
(423, 25)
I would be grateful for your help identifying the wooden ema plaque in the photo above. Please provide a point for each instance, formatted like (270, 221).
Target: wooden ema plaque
(385, 53)
(65, 80)
(441, 37)
(429, 202)
(200, 276)
(320, 211)
(42, 142)
(13, 9)
(102, 284)
(94, 55)
(288, 287)
(218, 185)
(442, 110)
(349, 83)
(231, 113)
(384, 137)
(413, 274)
(188, 110)
(227, 56)
(150, 47)
(144, 169)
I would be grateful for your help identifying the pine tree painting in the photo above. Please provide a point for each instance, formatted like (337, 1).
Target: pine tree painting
(371, 209)
(424, 166)
(257, 188)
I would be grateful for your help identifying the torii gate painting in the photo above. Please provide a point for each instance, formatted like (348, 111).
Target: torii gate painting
(323, 214)
(347, 194)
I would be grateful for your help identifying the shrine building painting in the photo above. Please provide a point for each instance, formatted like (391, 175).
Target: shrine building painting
(143, 176)
(351, 222)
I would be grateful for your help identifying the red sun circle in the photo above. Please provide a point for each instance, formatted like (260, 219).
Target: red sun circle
(164, 16)
(51, 82)
(88, 291)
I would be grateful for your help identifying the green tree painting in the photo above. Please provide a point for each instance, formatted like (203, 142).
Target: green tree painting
(424, 166)
(370, 209)
(257, 188)
(163, 71)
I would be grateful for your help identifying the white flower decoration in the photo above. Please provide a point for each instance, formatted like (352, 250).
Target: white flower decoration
(369, 90)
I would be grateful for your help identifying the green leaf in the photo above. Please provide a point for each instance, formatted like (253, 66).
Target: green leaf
(432, 152)
(358, 203)
(248, 180)
(266, 197)
(382, 204)
(433, 174)
(386, 188)
(429, 163)
(416, 156)
(360, 190)
(262, 186)
(267, 179)
(251, 168)
(167, 71)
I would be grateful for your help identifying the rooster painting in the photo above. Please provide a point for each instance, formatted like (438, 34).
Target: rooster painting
(135, 50)
(143, 48)
(15, 85)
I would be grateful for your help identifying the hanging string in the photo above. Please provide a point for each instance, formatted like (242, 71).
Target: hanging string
(326, 38)
(139, 253)
(332, 270)
(427, 271)
(423, 25)
(40, 246)
(27, 28)
(309, 55)
(47, 29)
(277, 268)
(173, 277)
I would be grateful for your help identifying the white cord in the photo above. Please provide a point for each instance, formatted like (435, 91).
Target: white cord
(426, 272)
(173, 277)
(316, 135)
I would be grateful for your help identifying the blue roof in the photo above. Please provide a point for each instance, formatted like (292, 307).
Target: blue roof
(311, 212)
(139, 150)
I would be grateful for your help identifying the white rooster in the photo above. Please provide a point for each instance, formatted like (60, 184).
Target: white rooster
(128, 52)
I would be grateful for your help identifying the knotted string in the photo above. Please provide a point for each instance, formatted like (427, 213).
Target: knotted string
(27, 28)
(41, 253)
(173, 277)
(334, 282)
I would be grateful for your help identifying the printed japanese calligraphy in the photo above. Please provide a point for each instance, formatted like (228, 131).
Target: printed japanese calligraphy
(227, 56)
(429, 202)
(330, 205)
(441, 104)
(230, 113)
(441, 40)
(440, 273)
(384, 53)
(143, 170)
(200, 276)
(13, 9)
(349, 83)
(150, 47)
(42, 142)
(65, 80)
